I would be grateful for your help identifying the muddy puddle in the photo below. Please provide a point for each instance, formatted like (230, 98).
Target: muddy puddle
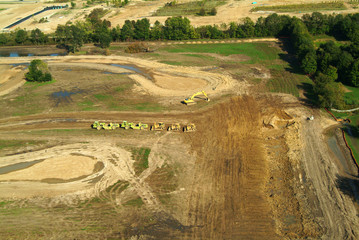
(334, 147)
(133, 69)
(64, 95)
(18, 166)
(26, 65)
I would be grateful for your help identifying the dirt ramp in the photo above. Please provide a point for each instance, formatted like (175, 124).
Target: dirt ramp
(228, 199)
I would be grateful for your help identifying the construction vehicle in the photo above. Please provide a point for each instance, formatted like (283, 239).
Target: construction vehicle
(190, 127)
(174, 127)
(190, 101)
(126, 125)
(97, 125)
(158, 127)
(140, 126)
(107, 126)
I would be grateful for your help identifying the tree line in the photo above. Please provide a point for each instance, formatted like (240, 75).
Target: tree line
(327, 64)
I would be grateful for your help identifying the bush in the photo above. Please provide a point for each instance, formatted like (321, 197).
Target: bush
(202, 12)
(213, 12)
(136, 48)
(38, 72)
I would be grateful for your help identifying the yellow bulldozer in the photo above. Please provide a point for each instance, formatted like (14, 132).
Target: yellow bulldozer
(158, 126)
(190, 127)
(190, 101)
(174, 127)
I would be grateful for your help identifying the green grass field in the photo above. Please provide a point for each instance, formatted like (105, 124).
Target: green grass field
(258, 52)
(189, 8)
(352, 100)
(307, 7)
(140, 155)
(13, 144)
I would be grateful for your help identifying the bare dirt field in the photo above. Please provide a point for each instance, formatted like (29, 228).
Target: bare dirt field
(254, 169)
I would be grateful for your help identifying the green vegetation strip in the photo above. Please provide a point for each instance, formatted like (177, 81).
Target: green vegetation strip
(189, 8)
(17, 143)
(258, 52)
(354, 2)
(140, 155)
(134, 202)
(352, 97)
(283, 85)
(353, 145)
(308, 7)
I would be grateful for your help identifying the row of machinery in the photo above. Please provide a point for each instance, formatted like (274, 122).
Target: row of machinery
(160, 126)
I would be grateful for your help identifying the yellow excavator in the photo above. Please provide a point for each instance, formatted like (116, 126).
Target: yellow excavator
(190, 101)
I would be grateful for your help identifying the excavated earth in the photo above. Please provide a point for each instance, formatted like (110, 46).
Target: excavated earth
(254, 169)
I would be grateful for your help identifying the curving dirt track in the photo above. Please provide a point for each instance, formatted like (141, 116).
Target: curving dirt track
(192, 79)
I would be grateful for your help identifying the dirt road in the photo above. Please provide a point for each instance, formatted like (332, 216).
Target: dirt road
(339, 212)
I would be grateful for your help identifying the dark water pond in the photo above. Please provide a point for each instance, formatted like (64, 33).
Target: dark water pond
(18, 166)
(133, 69)
(9, 53)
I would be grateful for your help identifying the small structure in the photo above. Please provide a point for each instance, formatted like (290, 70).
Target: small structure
(310, 118)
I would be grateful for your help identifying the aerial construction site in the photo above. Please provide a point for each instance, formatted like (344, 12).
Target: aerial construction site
(187, 140)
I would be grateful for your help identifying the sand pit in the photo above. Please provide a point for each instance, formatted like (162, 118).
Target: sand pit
(64, 167)
(179, 83)
(12, 78)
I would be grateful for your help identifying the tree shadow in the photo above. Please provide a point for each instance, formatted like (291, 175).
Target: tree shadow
(349, 186)
(352, 130)
(288, 56)
(308, 92)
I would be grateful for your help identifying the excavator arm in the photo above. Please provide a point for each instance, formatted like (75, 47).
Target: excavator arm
(190, 101)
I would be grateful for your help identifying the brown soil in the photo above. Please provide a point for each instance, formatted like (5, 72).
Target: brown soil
(63, 167)
(254, 168)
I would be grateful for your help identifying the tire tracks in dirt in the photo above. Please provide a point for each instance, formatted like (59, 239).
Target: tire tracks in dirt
(339, 220)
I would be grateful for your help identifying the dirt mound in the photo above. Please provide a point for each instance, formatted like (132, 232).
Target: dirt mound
(276, 118)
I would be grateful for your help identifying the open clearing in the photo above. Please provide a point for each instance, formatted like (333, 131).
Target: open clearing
(254, 169)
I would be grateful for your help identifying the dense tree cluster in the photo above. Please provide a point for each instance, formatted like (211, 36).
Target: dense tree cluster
(345, 58)
(38, 72)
